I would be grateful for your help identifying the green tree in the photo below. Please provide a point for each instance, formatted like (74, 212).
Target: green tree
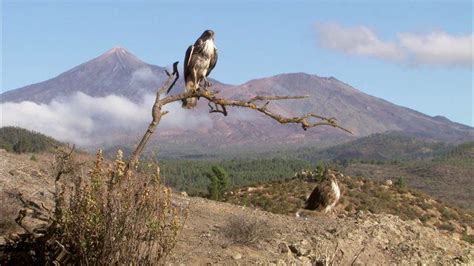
(400, 182)
(213, 186)
(319, 173)
(219, 182)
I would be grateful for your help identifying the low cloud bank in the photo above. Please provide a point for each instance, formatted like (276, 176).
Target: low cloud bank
(86, 120)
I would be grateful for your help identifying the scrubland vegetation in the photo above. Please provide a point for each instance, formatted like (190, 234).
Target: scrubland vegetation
(358, 194)
(191, 175)
(102, 215)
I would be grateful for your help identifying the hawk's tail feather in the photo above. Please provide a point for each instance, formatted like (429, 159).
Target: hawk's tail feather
(190, 102)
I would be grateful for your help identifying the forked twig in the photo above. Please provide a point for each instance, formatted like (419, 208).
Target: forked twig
(357, 256)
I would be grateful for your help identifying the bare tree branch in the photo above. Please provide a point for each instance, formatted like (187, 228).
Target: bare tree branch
(306, 121)
(156, 114)
(273, 98)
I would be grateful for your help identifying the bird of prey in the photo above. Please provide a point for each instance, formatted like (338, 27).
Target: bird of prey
(200, 60)
(326, 195)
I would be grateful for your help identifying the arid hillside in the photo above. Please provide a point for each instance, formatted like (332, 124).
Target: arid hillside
(359, 195)
(448, 176)
(223, 233)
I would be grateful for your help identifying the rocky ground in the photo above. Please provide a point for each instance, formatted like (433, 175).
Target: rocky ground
(373, 239)
(222, 233)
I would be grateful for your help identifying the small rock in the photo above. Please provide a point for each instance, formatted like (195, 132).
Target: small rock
(404, 247)
(360, 214)
(319, 262)
(36, 174)
(14, 237)
(462, 259)
(388, 182)
(283, 248)
(184, 194)
(305, 261)
(468, 230)
(301, 249)
(207, 234)
(14, 172)
(237, 256)
(294, 249)
(279, 262)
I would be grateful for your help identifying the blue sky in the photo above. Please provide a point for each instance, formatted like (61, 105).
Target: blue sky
(412, 53)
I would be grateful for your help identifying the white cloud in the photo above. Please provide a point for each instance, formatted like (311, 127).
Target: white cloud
(86, 120)
(358, 41)
(144, 74)
(438, 48)
(435, 48)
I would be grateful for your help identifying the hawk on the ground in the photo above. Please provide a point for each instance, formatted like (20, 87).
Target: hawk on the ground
(326, 195)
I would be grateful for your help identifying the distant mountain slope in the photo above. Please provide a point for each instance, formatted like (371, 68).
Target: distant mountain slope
(121, 73)
(362, 113)
(447, 176)
(377, 147)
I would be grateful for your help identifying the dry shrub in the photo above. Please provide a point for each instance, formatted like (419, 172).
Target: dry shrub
(108, 217)
(245, 230)
(8, 212)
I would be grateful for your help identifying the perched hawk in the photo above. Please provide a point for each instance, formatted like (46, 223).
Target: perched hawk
(200, 60)
(326, 195)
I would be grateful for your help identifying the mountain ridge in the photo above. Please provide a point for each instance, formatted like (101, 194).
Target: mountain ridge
(119, 72)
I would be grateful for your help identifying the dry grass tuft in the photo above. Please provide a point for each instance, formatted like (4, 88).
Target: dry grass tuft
(246, 231)
(8, 213)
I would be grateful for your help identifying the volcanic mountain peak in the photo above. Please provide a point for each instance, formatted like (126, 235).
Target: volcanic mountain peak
(117, 49)
(116, 58)
(117, 71)
(119, 52)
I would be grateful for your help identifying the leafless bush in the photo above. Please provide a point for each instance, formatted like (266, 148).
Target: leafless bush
(8, 212)
(243, 230)
(106, 216)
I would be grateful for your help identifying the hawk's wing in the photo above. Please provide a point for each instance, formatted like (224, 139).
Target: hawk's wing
(213, 62)
(315, 200)
(187, 60)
